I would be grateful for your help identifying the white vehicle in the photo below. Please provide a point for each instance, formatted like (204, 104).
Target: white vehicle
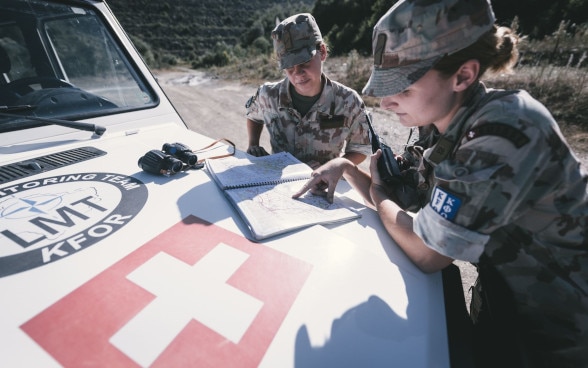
(105, 262)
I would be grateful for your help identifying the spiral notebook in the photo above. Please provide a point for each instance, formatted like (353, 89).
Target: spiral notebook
(261, 188)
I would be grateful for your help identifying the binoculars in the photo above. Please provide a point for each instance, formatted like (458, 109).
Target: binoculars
(171, 159)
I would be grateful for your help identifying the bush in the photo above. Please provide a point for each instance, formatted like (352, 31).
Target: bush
(563, 90)
(568, 46)
(221, 55)
(145, 50)
(261, 45)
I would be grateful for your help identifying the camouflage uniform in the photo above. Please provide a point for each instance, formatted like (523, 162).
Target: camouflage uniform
(511, 191)
(335, 125)
(502, 189)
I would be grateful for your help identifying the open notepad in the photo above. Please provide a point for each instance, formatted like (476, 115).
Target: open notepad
(261, 189)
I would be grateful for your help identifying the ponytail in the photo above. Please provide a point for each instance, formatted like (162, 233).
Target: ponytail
(496, 51)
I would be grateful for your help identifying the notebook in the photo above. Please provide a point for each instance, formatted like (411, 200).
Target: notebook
(261, 188)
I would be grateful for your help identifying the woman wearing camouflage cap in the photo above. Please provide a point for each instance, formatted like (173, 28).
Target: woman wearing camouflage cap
(505, 190)
(307, 114)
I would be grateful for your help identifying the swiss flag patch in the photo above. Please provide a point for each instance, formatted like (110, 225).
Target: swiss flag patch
(196, 295)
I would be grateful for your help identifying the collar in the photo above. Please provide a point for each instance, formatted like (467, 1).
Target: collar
(447, 141)
(323, 104)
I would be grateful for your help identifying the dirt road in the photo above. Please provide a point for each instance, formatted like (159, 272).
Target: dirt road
(211, 107)
(216, 108)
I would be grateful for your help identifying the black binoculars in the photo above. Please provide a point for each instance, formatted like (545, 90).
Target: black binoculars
(182, 152)
(173, 158)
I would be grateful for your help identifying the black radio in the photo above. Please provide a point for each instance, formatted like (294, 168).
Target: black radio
(388, 166)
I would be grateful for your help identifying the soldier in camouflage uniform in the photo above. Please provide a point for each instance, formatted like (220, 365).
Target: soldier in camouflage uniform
(505, 190)
(307, 114)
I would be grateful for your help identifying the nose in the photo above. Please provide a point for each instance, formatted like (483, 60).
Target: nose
(298, 69)
(388, 103)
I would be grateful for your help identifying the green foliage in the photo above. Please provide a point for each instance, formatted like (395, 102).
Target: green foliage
(540, 18)
(564, 90)
(567, 46)
(193, 31)
(250, 69)
(189, 29)
(347, 25)
(144, 49)
(220, 55)
(262, 45)
(232, 40)
(353, 72)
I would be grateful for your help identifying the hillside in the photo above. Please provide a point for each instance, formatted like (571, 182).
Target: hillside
(187, 28)
(203, 33)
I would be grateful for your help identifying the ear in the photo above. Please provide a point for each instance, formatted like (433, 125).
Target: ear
(466, 75)
(323, 51)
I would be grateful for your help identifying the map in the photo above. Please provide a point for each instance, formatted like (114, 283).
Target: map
(270, 209)
(261, 188)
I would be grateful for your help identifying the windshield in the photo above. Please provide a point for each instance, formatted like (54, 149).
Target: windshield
(61, 61)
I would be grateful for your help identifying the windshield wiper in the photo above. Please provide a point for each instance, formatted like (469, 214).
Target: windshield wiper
(17, 108)
(97, 129)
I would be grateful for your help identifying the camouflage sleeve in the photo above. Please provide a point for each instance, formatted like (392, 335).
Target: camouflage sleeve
(467, 201)
(359, 140)
(496, 175)
(252, 110)
(447, 238)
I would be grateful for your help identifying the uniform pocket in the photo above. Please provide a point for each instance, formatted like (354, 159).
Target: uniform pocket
(331, 121)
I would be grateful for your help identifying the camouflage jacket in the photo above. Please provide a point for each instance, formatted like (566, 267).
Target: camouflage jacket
(335, 125)
(510, 188)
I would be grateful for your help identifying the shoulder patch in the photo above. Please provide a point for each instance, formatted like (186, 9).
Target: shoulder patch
(252, 99)
(445, 203)
(505, 131)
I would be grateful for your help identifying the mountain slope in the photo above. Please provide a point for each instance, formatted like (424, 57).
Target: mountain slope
(188, 28)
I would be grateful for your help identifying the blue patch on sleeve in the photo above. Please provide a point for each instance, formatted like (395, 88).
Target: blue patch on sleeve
(445, 204)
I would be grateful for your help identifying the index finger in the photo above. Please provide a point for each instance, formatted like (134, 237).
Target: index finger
(331, 192)
(306, 187)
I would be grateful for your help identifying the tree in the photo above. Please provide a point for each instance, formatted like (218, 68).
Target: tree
(540, 18)
(347, 25)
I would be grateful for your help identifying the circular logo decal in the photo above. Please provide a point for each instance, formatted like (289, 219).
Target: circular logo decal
(45, 220)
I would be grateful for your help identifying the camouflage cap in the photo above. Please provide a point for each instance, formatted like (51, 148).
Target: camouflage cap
(295, 40)
(414, 34)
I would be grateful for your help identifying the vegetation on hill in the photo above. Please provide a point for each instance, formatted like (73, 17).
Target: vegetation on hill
(203, 32)
(211, 32)
(231, 39)
(348, 24)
